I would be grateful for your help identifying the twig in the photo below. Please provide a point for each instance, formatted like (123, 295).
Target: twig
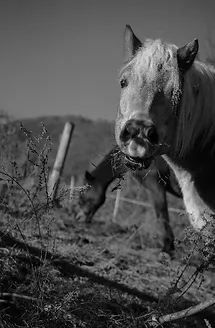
(182, 314)
(12, 297)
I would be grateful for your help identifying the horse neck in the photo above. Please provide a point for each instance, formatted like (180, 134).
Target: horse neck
(196, 160)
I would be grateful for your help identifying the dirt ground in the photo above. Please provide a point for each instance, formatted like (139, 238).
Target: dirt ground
(98, 275)
(101, 274)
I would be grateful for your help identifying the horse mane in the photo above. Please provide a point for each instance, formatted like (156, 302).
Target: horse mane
(194, 106)
(196, 119)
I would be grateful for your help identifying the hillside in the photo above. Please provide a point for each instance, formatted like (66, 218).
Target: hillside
(90, 141)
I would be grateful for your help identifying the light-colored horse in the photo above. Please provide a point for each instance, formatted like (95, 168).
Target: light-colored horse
(167, 107)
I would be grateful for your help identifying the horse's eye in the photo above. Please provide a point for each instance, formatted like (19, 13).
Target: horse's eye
(123, 83)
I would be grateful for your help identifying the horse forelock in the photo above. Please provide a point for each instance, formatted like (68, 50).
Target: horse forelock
(155, 63)
(196, 116)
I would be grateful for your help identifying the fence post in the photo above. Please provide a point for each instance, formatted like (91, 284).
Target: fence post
(116, 206)
(71, 190)
(60, 160)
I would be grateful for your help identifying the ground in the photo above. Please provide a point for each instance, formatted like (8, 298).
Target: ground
(102, 274)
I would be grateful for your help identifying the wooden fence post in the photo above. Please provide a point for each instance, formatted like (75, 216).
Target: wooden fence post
(60, 159)
(116, 206)
(71, 190)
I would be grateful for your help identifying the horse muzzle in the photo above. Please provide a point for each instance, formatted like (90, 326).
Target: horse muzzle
(139, 142)
(139, 130)
(135, 163)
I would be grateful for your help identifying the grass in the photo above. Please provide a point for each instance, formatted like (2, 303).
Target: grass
(78, 275)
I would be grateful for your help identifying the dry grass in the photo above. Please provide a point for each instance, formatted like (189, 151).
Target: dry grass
(86, 276)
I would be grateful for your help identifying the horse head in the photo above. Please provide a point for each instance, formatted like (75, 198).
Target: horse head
(90, 199)
(151, 84)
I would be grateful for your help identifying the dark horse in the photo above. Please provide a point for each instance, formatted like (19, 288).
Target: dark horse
(167, 108)
(158, 179)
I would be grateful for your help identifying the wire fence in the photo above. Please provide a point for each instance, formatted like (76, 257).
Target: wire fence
(146, 204)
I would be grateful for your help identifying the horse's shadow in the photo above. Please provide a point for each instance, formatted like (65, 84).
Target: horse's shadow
(68, 269)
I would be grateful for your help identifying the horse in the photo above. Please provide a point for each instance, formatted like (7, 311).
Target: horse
(167, 108)
(157, 180)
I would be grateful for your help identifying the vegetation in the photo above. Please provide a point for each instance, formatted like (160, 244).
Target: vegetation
(90, 140)
(56, 272)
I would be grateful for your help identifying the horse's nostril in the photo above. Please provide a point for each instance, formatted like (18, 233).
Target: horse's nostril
(130, 131)
(135, 129)
(152, 135)
(125, 135)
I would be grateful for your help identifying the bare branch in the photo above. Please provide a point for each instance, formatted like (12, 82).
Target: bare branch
(182, 314)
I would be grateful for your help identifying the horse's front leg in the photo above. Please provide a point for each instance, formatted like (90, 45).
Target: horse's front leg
(157, 195)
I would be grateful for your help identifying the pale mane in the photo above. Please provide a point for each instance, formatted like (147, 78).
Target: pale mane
(153, 61)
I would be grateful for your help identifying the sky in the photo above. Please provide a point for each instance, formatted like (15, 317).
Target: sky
(61, 57)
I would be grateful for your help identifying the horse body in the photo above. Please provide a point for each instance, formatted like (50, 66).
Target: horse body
(167, 108)
(157, 180)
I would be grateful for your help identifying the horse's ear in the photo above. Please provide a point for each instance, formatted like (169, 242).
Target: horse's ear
(88, 176)
(187, 54)
(131, 43)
